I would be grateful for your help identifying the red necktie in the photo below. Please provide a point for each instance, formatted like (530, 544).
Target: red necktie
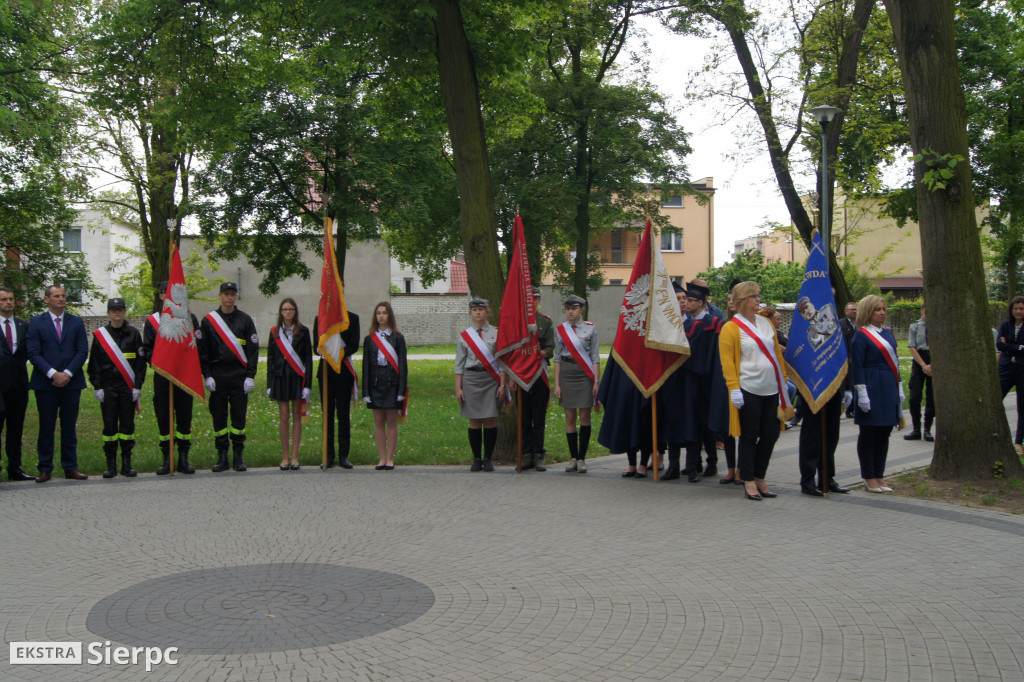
(57, 321)
(7, 333)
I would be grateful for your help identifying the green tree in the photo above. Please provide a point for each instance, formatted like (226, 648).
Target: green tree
(780, 282)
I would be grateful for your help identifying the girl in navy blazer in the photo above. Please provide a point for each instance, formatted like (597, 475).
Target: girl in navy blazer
(1010, 344)
(875, 372)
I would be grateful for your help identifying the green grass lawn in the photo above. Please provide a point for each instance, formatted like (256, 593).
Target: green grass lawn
(434, 434)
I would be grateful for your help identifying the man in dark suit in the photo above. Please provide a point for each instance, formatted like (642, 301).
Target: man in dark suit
(57, 348)
(13, 382)
(849, 328)
(339, 392)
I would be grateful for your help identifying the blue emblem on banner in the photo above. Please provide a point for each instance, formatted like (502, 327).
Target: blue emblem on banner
(816, 353)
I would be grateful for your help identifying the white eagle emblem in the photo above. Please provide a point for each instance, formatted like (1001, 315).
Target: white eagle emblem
(175, 320)
(634, 307)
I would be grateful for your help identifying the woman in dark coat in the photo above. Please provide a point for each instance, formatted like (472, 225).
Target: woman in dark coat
(1010, 343)
(385, 381)
(290, 348)
(875, 371)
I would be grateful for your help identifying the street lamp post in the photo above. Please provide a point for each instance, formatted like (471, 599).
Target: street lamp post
(824, 115)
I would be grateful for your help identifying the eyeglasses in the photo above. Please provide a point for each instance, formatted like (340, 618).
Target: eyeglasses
(287, 310)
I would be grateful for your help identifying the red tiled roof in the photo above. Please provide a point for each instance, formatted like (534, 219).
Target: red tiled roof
(458, 281)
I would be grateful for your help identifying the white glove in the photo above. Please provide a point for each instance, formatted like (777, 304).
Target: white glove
(305, 394)
(902, 397)
(211, 385)
(736, 397)
(136, 394)
(248, 386)
(366, 399)
(268, 392)
(99, 394)
(847, 399)
(401, 398)
(863, 401)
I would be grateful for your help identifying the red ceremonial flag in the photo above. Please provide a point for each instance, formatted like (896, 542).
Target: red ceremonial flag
(332, 314)
(649, 322)
(175, 355)
(518, 349)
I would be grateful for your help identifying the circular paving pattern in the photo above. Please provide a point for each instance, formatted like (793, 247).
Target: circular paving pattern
(261, 608)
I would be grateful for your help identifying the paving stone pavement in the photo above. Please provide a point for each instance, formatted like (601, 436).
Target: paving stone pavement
(435, 573)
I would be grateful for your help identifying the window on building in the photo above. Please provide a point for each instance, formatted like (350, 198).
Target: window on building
(616, 254)
(675, 200)
(615, 281)
(408, 285)
(672, 242)
(72, 239)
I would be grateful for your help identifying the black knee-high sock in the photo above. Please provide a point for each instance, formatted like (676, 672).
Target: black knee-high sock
(574, 450)
(490, 439)
(474, 442)
(584, 440)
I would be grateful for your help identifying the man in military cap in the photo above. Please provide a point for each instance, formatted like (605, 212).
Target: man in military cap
(117, 371)
(162, 398)
(229, 365)
(535, 401)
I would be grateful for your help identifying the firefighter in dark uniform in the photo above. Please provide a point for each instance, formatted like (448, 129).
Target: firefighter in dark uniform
(339, 392)
(162, 398)
(115, 355)
(535, 401)
(229, 365)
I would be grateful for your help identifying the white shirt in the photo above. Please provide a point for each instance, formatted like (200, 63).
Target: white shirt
(54, 318)
(14, 331)
(382, 359)
(757, 373)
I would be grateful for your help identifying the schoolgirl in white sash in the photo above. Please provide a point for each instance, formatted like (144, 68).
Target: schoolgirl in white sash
(480, 385)
(577, 368)
(289, 374)
(385, 382)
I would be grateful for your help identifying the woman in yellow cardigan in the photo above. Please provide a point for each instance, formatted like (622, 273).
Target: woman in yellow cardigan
(755, 376)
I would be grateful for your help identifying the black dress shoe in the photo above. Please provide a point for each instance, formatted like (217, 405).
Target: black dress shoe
(344, 463)
(710, 471)
(928, 436)
(380, 467)
(43, 477)
(913, 435)
(834, 487)
(477, 465)
(629, 474)
(641, 474)
(813, 492)
(755, 498)
(329, 465)
(488, 464)
(19, 475)
(671, 474)
(768, 494)
(693, 476)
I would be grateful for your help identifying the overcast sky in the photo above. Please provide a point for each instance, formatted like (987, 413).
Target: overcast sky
(747, 194)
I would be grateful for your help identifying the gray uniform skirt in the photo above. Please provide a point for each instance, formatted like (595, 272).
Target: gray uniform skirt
(577, 388)
(481, 400)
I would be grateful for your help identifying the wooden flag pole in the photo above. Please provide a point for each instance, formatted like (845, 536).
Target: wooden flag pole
(170, 423)
(654, 434)
(324, 414)
(824, 454)
(519, 425)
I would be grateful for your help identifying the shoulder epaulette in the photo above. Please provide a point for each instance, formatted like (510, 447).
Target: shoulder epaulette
(590, 323)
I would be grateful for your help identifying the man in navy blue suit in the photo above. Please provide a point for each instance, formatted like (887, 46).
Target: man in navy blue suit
(57, 348)
(13, 382)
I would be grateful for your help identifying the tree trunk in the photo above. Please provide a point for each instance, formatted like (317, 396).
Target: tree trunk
(778, 156)
(460, 91)
(973, 434)
(161, 181)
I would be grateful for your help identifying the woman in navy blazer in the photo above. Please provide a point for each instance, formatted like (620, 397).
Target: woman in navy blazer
(879, 390)
(1010, 344)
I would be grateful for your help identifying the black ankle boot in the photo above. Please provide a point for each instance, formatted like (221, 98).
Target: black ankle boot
(126, 463)
(183, 466)
(165, 450)
(236, 451)
(222, 462)
(111, 465)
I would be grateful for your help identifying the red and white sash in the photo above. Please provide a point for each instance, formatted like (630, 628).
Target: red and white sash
(355, 377)
(475, 343)
(392, 358)
(888, 352)
(117, 357)
(227, 336)
(154, 320)
(295, 362)
(575, 346)
(756, 336)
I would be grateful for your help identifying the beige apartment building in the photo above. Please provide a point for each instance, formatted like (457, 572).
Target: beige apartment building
(686, 253)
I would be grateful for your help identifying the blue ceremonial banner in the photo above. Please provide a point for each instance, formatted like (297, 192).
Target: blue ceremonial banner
(816, 353)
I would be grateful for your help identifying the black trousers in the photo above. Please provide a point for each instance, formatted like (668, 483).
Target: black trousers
(759, 429)
(118, 412)
(338, 411)
(535, 410)
(182, 411)
(1010, 375)
(707, 436)
(919, 380)
(62, 403)
(229, 397)
(13, 421)
(872, 450)
(811, 441)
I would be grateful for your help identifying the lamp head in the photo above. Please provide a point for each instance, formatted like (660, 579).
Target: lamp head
(824, 113)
